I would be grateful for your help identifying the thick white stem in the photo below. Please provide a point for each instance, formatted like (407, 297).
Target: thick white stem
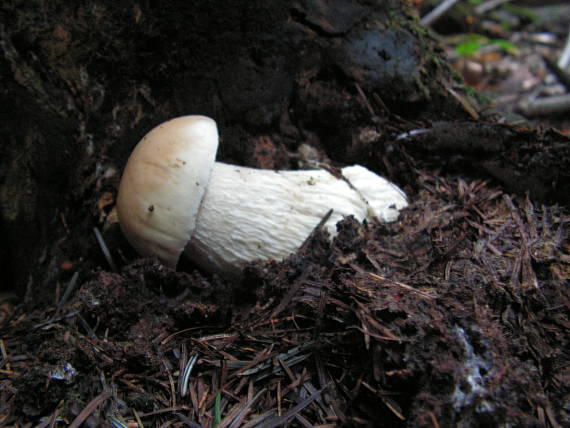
(250, 214)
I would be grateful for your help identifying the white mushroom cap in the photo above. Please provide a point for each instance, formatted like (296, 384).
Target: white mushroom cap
(163, 185)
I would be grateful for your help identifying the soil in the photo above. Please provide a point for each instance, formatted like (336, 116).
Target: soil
(455, 315)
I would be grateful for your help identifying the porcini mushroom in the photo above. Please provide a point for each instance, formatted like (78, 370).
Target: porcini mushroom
(175, 199)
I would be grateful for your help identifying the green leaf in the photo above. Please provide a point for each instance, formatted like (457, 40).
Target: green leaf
(506, 46)
(471, 44)
(468, 48)
(217, 411)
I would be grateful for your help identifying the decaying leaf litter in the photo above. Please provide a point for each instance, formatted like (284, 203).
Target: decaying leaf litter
(455, 314)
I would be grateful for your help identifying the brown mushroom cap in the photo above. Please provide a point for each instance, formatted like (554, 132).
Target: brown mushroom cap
(163, 185)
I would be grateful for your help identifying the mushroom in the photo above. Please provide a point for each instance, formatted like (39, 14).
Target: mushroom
(175, 199)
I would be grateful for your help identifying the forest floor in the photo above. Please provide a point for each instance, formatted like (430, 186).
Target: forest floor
(455, 315)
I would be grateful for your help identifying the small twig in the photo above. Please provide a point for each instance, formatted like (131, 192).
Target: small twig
(258, 421)
(65, 225)
(90, 408)
(173, 335)
(317, 228)
(87, 327)
(564, 60)
(545, 106)
(433, 420)
(407, 287)
(293, 290)
(69, 289)
(488, 5)
(187, 421)
(436, 13)
(386, 400)
(238, 419)
(365, 101)
(49, 322)
(138, 419)
(55, 414)
(116, 421)
(409, 134)
(161, 411)
(280, 421)
(105, 249)
(562, 76)
(380, 103)
(463, 101)
(5, 355)
(170, 382)
(185, 378)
